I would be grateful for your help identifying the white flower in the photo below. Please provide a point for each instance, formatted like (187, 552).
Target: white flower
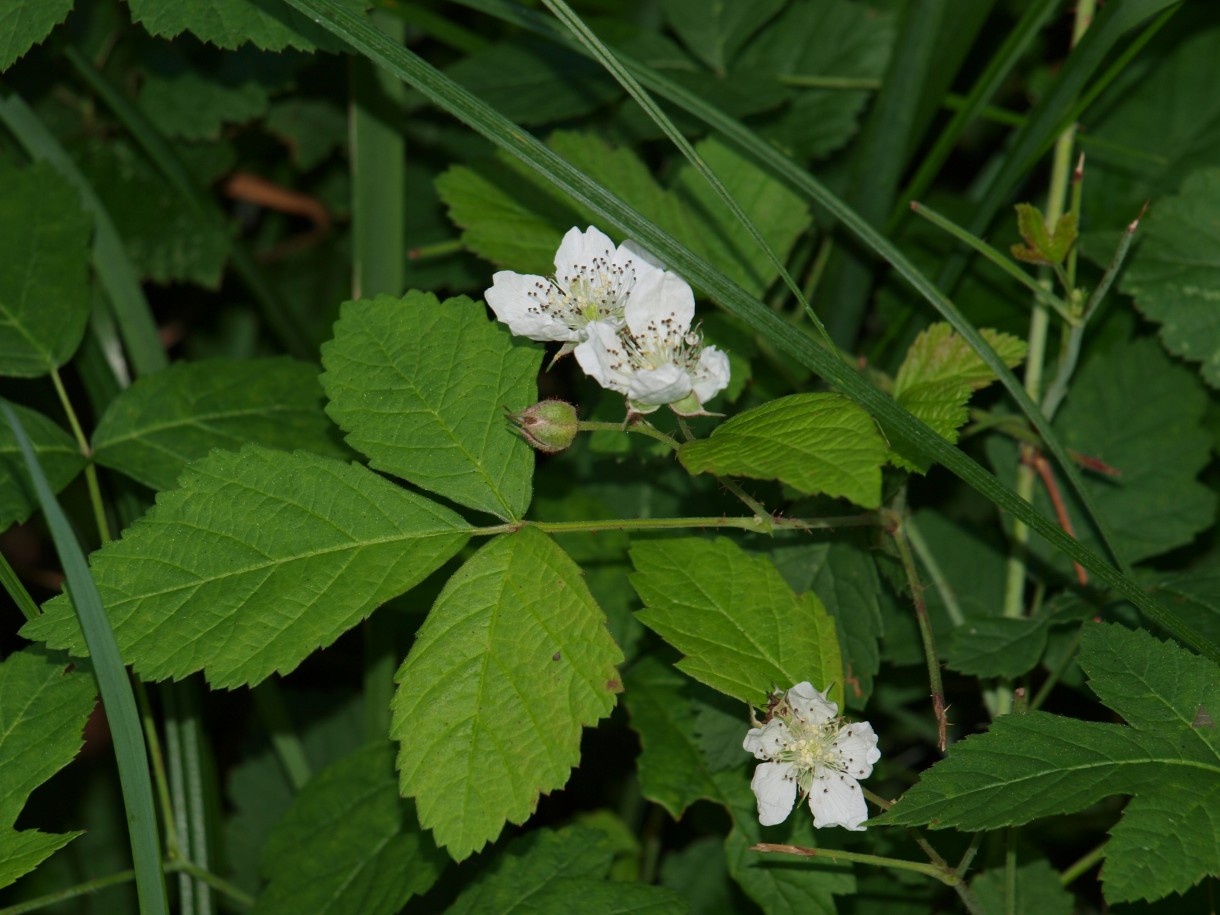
(656, 358)
(809, 747)
(593, 281)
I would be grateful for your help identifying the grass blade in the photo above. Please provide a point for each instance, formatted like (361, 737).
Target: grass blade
(112, 682)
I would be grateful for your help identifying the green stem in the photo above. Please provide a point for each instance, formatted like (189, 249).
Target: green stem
(237, 894)
(756, 525)
(898, 534)
(436, 249)
(929, 870)
(95, 490)
(807, 81)
(16, 590)
(641, 428)
(939, 581)
(1044, 690)
(173, 849)
(1010, 871)
(1082, 866)
(271, 708)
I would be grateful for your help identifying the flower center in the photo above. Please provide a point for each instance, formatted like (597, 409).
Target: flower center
(596, 291)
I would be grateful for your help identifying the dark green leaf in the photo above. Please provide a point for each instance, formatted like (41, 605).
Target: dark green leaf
(715, 30)
(58, 455)
(27, 22)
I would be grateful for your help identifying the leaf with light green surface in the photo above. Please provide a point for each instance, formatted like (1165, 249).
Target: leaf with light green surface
(152, 430)
(935, 382)
(255, 561)
(1036, 765)
(349, 845)
(58, 455)
(733, 616)
(514, 218)
(512, 661)
(672, 769)
(43, 709)
(25, 23)
(816, 443)
(714, 30)
(561, 871)
(421, 387)
(1174, 274)
(231, 23)
(44, 274)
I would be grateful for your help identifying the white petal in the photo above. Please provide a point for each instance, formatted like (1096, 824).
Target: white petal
(602, 357)
(660, 300)
(856, 747)
(711, 375)
(837, 800)
(578, 249)
(774, 785)
(659, 386)
(810, 704)
(768, 740)
(509, 298)
(634, 251)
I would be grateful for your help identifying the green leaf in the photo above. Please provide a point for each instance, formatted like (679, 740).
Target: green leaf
(714, 30)
(700, 874)
(515, 219)
(534, 82)
(231, 23)
(43, 710)
(1035, 765)
(57, 453)
(998, 647)
(844, 576)
(310, 128)
(936, 379)
(348, 844)
(673, 771)
(1175, 272)
(833, 39)
(549, 870)
(1139, 413)
(1041, 246)
(44, 291)
(1194, 597)
(421, 387)
(816, 443)
(166, 241)
(256, 560)
(1039, 891)
(164, 421)
(27, 22)
(741, 628)
(513, 660)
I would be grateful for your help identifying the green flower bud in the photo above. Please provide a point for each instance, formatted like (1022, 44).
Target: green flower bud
(549, 425)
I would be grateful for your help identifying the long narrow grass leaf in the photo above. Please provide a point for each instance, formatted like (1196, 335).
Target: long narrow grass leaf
(835, 210)
(114, 269)
(279, 319)
(112, 682)
(451, 97)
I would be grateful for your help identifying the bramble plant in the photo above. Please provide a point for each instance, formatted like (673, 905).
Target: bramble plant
(616, 457)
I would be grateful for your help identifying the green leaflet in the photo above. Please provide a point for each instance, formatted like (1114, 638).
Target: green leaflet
(256, 560)
(1039, 890)
(421, 387)
(560, 871)
(816, 443)
(936, 379)
(231, 23)
(513, 660)
(27, 22)
(1175, 272)
(152, 430)
(43, 709)
(715, 31)
(58, 455)
(348, 844)
(44, 291)
(741, 628)
(1036, 765)
(515, 219)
